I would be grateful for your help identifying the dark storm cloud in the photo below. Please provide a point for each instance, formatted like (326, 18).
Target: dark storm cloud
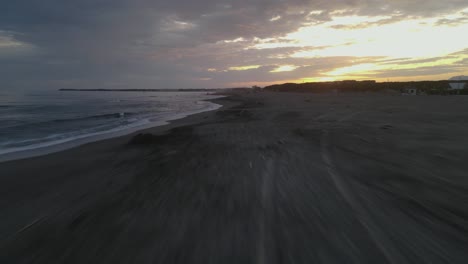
(128, 42)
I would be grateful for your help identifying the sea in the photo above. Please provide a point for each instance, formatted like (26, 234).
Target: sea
(39, 120)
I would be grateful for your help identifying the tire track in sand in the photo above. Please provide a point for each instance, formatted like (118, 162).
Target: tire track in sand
(266, 189)
(378, 237)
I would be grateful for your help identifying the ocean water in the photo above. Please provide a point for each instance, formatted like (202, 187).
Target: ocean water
(36, 120)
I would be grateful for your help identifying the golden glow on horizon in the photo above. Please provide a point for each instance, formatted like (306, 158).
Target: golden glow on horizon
(399, 40)
(412, 43)
(356, 71)
(319, 79)
(345, 71)
(415, 65)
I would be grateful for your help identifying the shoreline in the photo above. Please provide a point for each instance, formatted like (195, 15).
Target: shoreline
(277, 177)
(89, 139)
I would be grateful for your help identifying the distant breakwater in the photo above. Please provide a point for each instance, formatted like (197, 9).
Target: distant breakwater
(138, 90)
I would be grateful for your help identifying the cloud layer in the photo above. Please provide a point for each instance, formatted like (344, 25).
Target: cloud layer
(180, 43)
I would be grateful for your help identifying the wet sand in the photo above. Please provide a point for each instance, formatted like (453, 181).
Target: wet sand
(268, 178)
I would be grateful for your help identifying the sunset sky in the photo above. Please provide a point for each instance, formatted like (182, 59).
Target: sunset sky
(50, 44)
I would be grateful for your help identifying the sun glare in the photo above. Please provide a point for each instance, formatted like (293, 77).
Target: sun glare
(378, 37)
(345, 71)
(403, 39)
(317, 79)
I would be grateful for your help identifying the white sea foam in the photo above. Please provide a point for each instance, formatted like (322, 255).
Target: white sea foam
(58, 142)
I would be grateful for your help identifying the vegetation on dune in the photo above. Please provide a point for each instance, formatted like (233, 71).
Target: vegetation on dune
(428, 87)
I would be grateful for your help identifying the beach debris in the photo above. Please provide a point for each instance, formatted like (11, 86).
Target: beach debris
(250, 164)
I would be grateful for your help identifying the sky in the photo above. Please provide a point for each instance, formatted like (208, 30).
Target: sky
(51, 44)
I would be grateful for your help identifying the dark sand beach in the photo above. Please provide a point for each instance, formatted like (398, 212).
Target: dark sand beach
(269, 178)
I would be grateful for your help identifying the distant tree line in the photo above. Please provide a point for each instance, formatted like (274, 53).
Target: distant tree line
(428, 87)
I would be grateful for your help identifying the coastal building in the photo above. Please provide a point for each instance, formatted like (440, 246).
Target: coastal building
(457, 86)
